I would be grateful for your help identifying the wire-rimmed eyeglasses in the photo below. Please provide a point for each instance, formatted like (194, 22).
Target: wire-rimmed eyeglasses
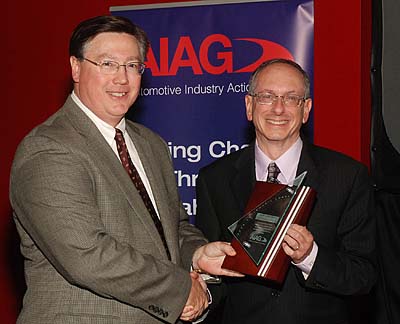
(268, 98)
(112, 67)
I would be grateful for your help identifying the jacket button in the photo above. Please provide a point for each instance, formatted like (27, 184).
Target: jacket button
(275, 293)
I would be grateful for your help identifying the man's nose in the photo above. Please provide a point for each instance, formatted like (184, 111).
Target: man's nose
(121, 76)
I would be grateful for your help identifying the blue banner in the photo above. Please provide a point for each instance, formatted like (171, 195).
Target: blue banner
(198, 67)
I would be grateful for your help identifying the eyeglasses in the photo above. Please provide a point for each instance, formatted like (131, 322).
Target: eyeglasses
(267, 98)
(112, 67)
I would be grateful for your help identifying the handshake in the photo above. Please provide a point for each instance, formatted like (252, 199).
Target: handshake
(208, 259)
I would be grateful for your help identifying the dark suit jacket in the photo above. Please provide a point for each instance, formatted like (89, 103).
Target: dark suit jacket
(92, 252)
(342, 223)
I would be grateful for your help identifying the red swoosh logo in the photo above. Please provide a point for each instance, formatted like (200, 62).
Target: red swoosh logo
(270, 50)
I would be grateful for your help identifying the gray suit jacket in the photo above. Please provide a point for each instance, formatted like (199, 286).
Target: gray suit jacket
(92, 252)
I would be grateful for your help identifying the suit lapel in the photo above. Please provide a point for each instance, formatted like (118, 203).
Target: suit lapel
(307, 163)
(244, 180)
(110, 167)
(314, 179)
(155, 177)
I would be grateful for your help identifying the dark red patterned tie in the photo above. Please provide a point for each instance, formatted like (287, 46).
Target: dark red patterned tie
(137, 181)
(273, 172)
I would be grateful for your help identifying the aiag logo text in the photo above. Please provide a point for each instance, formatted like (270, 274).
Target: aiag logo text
(215, 55)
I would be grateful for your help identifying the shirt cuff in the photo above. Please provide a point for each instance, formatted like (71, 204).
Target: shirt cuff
(307, 264)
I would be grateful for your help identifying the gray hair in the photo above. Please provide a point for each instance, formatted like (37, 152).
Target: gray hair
(262, 66)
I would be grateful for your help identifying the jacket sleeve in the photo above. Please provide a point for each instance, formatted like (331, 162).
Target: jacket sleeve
(207, 221)
(345, 263)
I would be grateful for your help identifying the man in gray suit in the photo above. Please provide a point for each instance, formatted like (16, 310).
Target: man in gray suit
(101, 246)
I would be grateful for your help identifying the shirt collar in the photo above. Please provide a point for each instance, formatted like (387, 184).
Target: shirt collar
(287, 163)
(105, 129)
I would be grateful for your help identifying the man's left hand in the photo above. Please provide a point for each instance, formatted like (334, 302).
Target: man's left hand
(298, 242)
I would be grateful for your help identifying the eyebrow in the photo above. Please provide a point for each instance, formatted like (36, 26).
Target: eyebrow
(271, 91)
(113, 58)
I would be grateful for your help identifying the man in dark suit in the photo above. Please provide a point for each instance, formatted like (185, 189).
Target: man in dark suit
(105, 241)
(333, 256)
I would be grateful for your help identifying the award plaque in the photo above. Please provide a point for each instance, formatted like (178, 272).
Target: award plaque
(258, 235)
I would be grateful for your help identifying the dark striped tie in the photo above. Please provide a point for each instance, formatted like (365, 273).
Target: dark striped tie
(137, 181)
(273, 172)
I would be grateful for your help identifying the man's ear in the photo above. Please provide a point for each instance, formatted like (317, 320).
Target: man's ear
(307, 109)
(75, 68)
(249, 107)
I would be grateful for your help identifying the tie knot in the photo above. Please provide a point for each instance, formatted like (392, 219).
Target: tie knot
(119, 136)
(273, 172)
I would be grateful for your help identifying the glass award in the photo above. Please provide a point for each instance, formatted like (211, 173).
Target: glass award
(258, 235)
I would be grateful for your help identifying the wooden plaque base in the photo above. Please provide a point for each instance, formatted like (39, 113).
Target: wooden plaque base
(275, 263)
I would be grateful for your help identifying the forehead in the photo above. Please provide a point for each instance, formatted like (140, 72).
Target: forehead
(113, 44)
(280, 76)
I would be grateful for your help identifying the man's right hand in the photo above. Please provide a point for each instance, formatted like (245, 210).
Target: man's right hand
(197, 301)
